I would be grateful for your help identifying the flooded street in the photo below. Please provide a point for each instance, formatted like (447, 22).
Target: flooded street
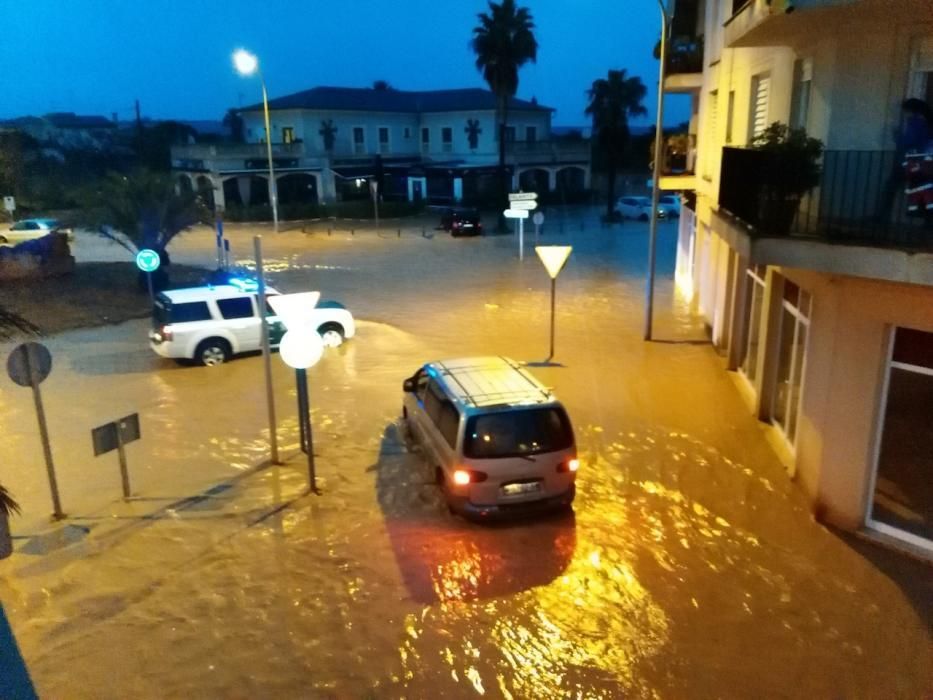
(690, 567)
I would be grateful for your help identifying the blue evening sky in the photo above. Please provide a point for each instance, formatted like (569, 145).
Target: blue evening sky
(98, 56)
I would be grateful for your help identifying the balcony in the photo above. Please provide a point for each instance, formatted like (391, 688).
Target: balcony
(236, 151)
(552, 151)
(852, 205)
(677, 164)
(798, 22)
(684, 69)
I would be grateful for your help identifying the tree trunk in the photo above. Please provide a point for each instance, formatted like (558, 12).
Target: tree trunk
(6, 541)
(503, 178)
(611, 187)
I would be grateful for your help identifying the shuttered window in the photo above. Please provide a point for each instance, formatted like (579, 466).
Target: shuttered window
(761, 90)
(711, 146)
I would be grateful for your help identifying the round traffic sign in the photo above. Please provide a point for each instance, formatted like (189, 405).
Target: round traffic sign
(538, 218)
(29, 362)
(301, 347)
(148, 260)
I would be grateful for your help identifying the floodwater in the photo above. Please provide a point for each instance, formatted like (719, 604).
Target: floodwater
(691, 566)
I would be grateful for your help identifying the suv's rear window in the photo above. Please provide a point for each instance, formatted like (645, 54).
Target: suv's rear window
(525, 431)
(181, 313)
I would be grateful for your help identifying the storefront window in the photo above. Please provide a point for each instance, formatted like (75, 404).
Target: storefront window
(756, 295)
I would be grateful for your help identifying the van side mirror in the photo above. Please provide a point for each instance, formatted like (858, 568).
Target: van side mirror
(409, 385)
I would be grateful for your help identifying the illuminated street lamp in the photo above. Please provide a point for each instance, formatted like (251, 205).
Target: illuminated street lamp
(554, 257)
(246, 64)
(300, 348)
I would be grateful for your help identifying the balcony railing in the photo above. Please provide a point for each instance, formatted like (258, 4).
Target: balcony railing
(555, 149)
(863, 197)
(685, 55)
(236, 150)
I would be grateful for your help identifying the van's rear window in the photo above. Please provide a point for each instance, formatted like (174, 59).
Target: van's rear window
(525, 431)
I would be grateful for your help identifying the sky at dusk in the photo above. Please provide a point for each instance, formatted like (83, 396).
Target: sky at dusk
(98, 56)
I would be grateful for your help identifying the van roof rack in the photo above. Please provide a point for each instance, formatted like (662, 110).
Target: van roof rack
(492, 381)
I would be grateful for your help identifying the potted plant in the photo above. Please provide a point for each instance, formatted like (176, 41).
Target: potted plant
(7, 508)
(790, 169)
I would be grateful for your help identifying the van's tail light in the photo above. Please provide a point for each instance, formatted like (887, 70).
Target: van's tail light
(569, 465)
(462, 477)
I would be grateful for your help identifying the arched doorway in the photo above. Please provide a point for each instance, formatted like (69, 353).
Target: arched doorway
(206, 190)
(534, 180)
(297, 188)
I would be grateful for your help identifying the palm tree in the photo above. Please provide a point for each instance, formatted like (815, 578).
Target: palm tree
(503, 42)
(143, 209)
(613, 100)
(10, 324)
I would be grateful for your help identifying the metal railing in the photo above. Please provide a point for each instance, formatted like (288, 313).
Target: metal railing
(555, 149)
(209, 151)
(685, 55)
(860, 199)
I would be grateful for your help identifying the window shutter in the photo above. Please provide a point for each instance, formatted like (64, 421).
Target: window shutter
(761, 89)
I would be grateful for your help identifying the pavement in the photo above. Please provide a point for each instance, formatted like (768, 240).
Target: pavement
(691, 566)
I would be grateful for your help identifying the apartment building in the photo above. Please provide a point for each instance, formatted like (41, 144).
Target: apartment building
(826, 324)
(441, 146)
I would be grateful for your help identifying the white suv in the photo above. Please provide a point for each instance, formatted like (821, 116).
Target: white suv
(211, 324)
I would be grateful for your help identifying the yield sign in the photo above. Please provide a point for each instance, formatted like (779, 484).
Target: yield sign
(554, 257)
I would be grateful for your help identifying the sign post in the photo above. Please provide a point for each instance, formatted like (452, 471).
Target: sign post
(114, 436)
(266, 350)
(538, 219)
(28, 365)
(554, 257)
(9, 203)
(374, 191)
(148, 261)
(520, 203)
(220, 243)
(301, 348)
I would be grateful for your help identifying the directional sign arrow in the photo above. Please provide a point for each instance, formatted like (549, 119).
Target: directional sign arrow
(530, 204)
(522, 196)
(516, 213)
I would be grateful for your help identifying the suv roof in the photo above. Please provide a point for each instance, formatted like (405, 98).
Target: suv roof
(219, 291)
(482, 382)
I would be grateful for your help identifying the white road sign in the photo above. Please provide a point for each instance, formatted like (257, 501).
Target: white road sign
(538, 218)
(516, 213)
(9, 203)
(523, 196)
(524, 205)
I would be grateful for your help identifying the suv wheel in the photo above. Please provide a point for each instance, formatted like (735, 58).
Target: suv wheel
(331, 334)
(213, 351)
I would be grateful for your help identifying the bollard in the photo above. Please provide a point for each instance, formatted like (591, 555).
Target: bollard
(399, 233)
(352, 232)
(328, 230)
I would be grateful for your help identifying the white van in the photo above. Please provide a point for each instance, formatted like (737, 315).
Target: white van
(499, 440)
(211, 324)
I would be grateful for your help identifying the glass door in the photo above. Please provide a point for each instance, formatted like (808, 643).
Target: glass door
(792, 346)
(755, 291)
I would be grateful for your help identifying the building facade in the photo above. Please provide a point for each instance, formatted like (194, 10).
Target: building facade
(329, 143)
(825, 319)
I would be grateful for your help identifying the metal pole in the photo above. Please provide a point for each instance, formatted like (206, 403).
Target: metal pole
(655, 184)
(301, 379)
(553, 293)
(44, 435)
(124, 472)
(149, 281)
(220, 243)
(266, 352)
(302, 411)
(273, 190)
(521, 239)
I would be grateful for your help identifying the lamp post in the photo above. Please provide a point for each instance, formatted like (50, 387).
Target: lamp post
(655, 184)
(246, 64)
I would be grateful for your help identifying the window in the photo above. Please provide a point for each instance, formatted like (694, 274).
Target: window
(520, 432)
(288, 134)
(902, 494)
(792, 346)
(754, 301)
(758, 118)
(449, 423)
(383, 139)
(531, 134)
(510, 134)
(407, 132)
(25, 226)
(433, 400)
(447, 139)
(730, 116)
(359, 140)
(240, 307)
(800, 94)
(425, 138)
(710, 148)
(421, 384)
(189, 311)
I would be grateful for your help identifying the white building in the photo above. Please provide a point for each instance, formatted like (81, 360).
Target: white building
(827, 327)
(440, 145)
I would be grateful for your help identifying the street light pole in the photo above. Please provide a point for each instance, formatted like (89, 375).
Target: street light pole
(273, 188)
(655, 178)
(266, 350)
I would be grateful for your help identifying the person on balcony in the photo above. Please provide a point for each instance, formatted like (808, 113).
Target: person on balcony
(914, 135)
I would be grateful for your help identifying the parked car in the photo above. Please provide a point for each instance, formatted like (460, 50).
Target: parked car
(211, 324)
(499, 440)
(30, 229)
(640, 207)
(670, 204)
(462, 222)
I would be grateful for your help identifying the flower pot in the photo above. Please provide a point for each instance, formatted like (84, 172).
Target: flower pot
(6, 540)
(776, 214)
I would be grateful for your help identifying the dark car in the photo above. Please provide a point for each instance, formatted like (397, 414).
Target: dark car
(462, 222)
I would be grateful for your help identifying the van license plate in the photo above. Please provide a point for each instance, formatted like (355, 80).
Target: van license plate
(523, 488)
